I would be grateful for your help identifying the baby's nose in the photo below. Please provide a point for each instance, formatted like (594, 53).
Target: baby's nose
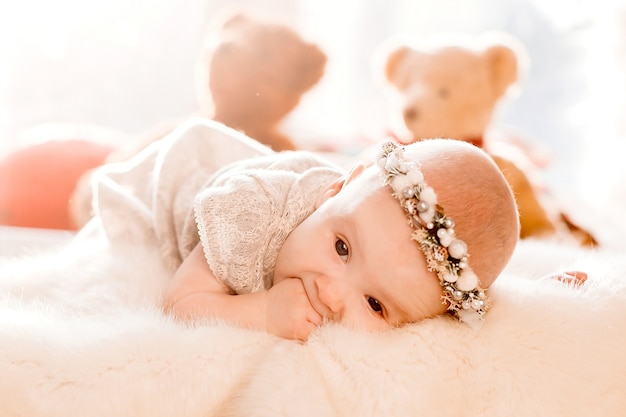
(331, 293)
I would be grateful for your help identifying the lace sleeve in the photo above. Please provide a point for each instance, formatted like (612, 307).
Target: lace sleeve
(247, 212)
(235, 223)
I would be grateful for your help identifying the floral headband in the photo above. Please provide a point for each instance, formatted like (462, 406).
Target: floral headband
(434, 232)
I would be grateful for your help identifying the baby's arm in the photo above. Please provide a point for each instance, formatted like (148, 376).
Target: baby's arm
(283, 310)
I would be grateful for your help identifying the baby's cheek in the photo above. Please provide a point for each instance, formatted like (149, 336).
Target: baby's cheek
(436, 307)
(427, 306)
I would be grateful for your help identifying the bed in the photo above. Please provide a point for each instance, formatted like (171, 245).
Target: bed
(81, 333)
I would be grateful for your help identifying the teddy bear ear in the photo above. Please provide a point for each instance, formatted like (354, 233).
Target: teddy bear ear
(227, 17)
(234, 19)
(392, 64)
(503, 63)
(311, 67)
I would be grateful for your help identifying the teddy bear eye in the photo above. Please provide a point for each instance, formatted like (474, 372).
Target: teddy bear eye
(443, 93)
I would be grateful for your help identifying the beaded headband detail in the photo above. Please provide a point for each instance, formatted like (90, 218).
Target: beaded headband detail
(434, 233)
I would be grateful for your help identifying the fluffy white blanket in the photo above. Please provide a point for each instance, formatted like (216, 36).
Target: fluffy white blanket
(81, 334)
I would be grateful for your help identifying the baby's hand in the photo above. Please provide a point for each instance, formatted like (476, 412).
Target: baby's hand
(575, 278)
(289, 312)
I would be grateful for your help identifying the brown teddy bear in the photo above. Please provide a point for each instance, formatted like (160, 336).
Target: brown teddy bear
(253, 74)
(451, 89)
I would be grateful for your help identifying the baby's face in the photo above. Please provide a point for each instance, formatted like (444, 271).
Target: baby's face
(357, 262)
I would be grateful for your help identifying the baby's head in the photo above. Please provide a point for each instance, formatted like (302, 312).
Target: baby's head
(435, 219)
(463, 215)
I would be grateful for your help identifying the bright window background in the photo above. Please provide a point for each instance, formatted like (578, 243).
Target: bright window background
(129, 64)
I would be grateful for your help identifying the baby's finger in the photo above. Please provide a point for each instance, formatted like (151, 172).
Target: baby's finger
(575, 278)
(307, 329)
(314, 317)
(578, 276)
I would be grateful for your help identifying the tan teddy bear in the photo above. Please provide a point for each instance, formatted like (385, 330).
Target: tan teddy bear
(451, 89)
(253, 73)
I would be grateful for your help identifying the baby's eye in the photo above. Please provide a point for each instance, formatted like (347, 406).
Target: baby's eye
(375, 305)
(342, 249)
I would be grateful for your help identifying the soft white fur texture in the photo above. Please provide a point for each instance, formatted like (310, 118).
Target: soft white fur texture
(81, 334)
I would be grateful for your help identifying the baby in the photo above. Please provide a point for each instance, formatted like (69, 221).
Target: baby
(422, 231)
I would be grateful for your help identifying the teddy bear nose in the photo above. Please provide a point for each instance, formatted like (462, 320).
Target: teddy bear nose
(410, 114)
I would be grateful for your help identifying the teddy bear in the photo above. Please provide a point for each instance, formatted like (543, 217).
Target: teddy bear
(253, 73)
(451, 87)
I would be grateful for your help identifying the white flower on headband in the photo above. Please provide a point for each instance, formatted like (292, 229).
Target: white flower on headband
(426, 205)
(467, 281)
(457, 249)
(434, 232)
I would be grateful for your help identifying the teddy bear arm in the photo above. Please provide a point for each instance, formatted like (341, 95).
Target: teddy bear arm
(272, 138)
(534, 219)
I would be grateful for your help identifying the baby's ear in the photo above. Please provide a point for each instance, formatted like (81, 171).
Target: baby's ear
(354, 172)
(334, 187)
